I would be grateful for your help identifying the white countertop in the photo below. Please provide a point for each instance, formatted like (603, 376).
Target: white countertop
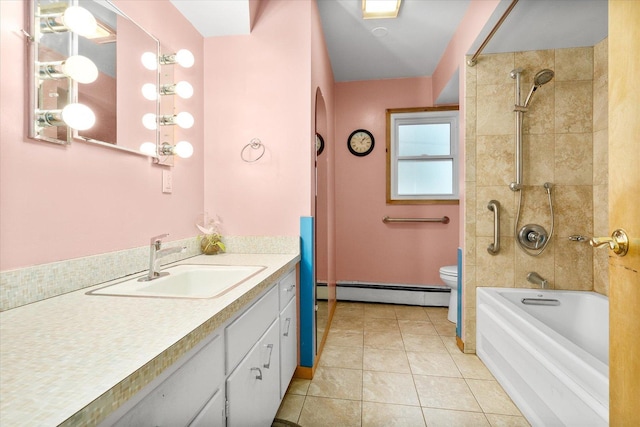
(62, 358)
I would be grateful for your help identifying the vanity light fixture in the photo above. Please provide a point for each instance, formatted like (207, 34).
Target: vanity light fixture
(78, 67)
(182, 149)
(183, 119)
(376, 9)
(148, 148)
(183, 57)
(72, 18)
(76, 116)
(149, 121)
(182, 89)
(149, 61)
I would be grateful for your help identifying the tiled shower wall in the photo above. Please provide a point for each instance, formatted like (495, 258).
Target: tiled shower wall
(564, 143)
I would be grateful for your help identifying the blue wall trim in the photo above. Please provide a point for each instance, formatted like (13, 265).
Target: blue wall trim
(460, 291)
(307, 292)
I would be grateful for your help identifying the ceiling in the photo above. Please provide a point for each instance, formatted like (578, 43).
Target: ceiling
(412, 44)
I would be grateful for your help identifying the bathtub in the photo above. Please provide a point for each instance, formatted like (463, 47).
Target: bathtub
(551, 357)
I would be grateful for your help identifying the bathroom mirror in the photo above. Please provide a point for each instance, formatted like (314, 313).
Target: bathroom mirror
(114, 46)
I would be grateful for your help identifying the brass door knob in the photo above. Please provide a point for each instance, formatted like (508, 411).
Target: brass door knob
(618, 242)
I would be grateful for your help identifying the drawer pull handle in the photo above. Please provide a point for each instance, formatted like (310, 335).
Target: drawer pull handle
(259, 375)
(270, 347)
(290, 288)
(288, 320)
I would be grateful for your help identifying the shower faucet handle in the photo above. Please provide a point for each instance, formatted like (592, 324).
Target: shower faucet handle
(618, 242)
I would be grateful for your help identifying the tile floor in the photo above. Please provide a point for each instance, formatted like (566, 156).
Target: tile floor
(391, 365)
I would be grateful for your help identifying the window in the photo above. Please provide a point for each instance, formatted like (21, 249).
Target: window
(422, 155)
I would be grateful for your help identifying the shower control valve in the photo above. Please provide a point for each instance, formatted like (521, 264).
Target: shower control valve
(532, 236)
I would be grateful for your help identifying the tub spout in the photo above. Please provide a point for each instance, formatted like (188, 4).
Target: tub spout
(536, 279)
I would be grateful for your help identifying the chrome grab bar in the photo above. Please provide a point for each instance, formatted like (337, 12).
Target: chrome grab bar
(540, 301)
(494, 247)
(444, 219)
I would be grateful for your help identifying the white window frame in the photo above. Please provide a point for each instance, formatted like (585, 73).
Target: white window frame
(426, 115)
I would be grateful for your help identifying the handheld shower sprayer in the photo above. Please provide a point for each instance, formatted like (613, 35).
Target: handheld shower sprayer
(542, 77)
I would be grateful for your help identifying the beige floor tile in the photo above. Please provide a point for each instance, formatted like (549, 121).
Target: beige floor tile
(341, 357)
(291, 407)
(323, 412)
(437, 314)
(436, 364)
(506, 421)
(445, 393)
(492, 398)
(384, 339)
(384, 311)
(348, 324)
(449, 418)
(345, 338)
(380, 359)
(471, 366)
(411, 312)
(373, 324)
(298, 386)
(349, 309)
(417, 327)
(338, 383)
(386, 387)
(445, 328)
(424, 343)
(451, 345)
(388, 415)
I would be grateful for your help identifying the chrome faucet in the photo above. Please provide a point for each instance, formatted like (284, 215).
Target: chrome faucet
(536, 279)
(154, 257)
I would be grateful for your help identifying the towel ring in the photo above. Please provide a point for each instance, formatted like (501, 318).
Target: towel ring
(255, 144)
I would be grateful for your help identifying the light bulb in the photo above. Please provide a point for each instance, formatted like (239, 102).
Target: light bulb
(149, 91)
(79, 20)
(185, 58)
(184, 120)
(149, 121)
(80, 68)
(148, 148)
(78, 116)
(149, 60)
(183, 149)
(184, 90)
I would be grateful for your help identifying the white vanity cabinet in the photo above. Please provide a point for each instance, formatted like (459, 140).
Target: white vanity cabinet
(288, 331)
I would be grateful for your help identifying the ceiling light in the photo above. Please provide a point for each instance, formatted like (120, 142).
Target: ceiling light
(374, 9)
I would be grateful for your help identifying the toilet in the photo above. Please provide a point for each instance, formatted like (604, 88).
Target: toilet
(449, 275)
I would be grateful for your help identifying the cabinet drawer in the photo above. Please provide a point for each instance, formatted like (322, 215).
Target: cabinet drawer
(287, 288)
(212, 415)
(288, 345)
(177, 400)
(245, 331)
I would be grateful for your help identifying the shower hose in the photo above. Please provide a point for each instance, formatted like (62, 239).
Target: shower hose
(547, 186)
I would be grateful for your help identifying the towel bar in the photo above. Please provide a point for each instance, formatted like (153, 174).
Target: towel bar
(444, 219)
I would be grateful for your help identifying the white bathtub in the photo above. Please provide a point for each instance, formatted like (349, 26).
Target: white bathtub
(552, 360)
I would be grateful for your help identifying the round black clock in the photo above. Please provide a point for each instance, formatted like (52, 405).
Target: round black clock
(319, 144)
(360, 142)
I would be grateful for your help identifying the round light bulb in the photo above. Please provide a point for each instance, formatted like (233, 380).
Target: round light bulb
(185, 58)
(149, 60)
(183, 149)
(184, 120)
(79, 20)
(184, 90)
(149, 121)
(148, 148)
(80, 68)
(78, 116)
(149, 91)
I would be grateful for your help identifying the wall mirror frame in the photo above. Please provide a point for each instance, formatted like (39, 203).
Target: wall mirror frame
(57, 79)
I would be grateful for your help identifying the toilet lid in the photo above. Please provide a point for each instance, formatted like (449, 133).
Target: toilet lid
(449, 270)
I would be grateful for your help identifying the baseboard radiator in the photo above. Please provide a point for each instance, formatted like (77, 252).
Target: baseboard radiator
(428, 296)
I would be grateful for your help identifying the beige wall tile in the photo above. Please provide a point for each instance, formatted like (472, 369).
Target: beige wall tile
(495, 109)
(574, 159)
(574, 64)
(601, 60)
(573, 107)
(543, 264)
(600, 105)
(574, 265)
(470, 79)
(494, 69)
(495, 156)
(538, 153)
(484, 217)
(539, 117)
(573, 209)
(601, 157)
(531, 62)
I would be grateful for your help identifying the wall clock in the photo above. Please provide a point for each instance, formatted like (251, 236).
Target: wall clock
(360, 142)
(319, 144)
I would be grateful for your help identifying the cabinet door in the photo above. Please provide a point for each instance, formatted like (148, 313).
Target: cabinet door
(288, 345)
(253, 388)
(212, 415)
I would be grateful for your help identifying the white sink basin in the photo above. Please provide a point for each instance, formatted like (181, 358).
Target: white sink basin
(185, 281)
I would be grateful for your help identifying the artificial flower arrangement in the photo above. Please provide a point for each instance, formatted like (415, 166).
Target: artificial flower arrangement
(211, 240)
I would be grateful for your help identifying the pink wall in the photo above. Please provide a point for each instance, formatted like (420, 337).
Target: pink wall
(258, 86)
(62, 202)
(368, 250)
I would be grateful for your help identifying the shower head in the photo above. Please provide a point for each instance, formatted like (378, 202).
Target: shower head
(541, 77)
